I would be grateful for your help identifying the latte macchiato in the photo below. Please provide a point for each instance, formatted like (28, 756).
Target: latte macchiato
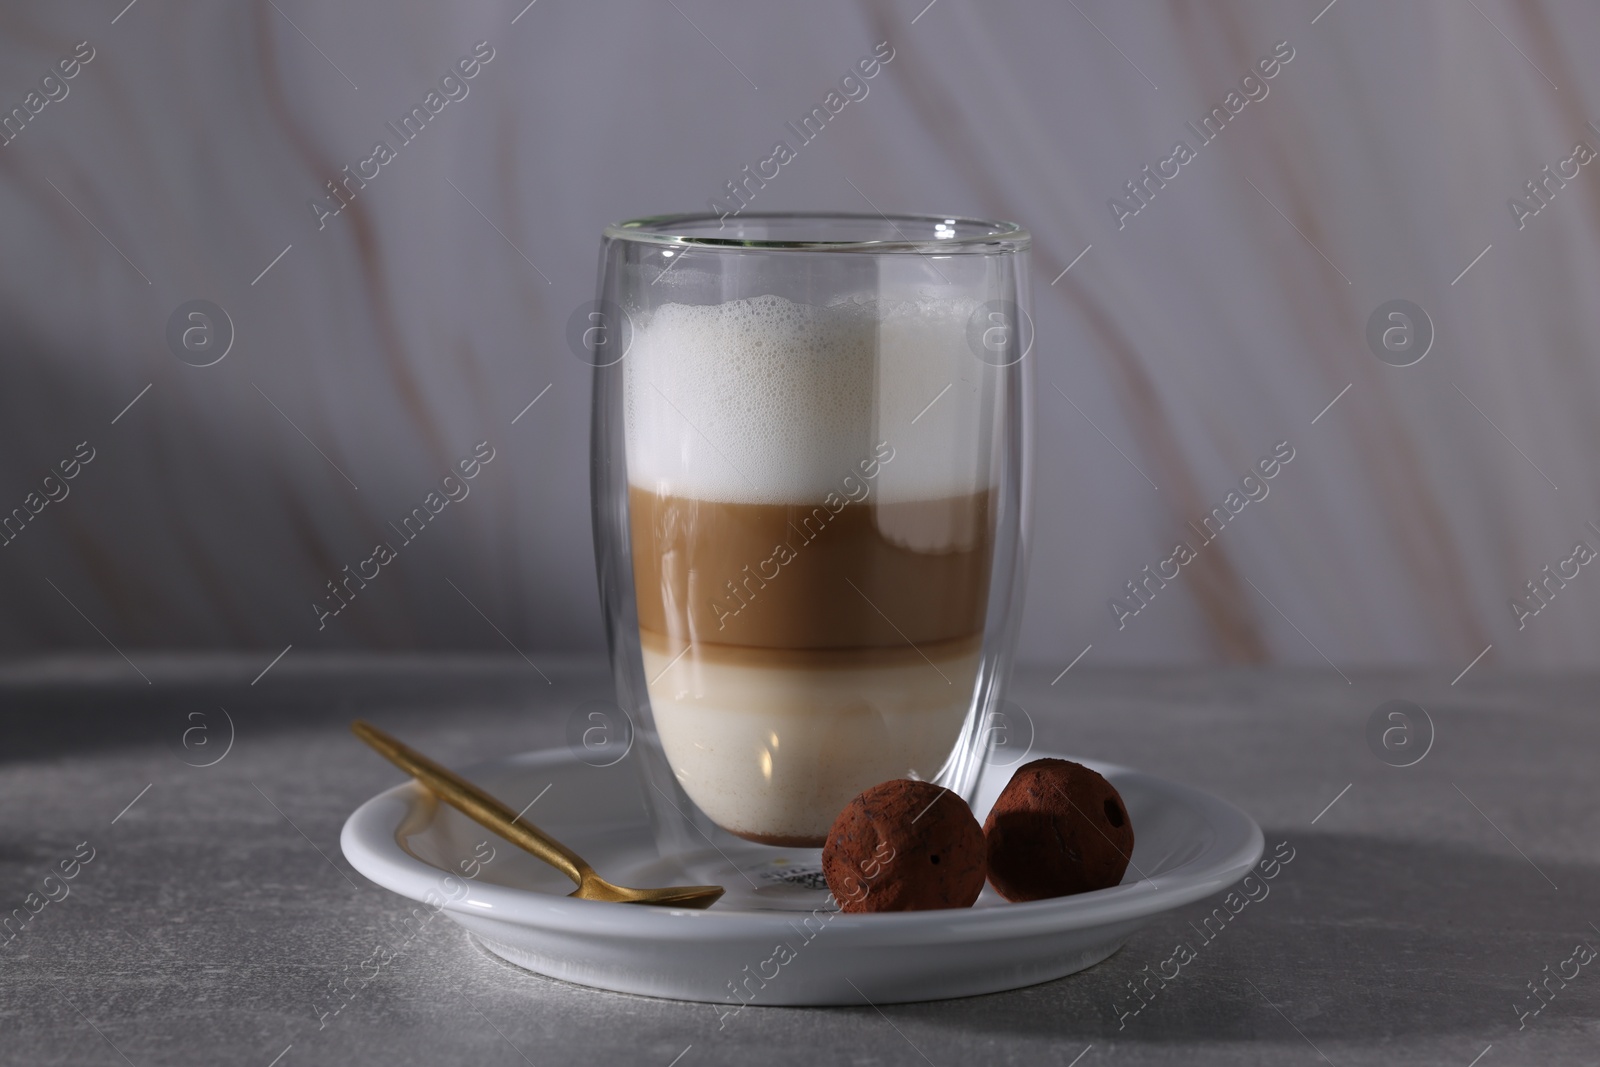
(811, 506)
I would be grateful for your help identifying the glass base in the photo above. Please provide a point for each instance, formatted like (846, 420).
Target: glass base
(755, 877)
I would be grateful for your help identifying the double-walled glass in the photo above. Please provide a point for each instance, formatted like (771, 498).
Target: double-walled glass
(810, 490)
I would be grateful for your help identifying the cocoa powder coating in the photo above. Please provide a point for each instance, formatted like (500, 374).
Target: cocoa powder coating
(905, 845)
(1058, 828)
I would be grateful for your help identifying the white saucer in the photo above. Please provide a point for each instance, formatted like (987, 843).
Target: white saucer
(1188, 845)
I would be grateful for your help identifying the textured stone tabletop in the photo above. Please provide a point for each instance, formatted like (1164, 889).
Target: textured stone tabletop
(209, 911)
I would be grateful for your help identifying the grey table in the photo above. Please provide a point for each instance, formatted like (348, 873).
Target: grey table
(215, 912)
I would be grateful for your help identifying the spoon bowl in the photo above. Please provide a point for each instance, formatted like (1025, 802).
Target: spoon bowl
(488, 811)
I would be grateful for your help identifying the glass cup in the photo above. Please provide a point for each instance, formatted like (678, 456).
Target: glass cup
(811, 494)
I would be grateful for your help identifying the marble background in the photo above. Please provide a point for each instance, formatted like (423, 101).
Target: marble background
(371, 354)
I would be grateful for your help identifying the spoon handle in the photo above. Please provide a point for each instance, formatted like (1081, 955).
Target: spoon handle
(473, 802)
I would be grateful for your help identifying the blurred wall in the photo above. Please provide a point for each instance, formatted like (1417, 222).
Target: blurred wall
(374, 348)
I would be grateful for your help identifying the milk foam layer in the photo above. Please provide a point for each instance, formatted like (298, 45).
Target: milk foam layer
(764, 400)
(777, 752)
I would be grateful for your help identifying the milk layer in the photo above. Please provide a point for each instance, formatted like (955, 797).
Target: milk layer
(775, 752)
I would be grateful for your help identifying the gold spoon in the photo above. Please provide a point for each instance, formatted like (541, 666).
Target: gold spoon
(484, 809)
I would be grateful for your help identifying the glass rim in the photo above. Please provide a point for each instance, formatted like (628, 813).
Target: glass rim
(996, 236)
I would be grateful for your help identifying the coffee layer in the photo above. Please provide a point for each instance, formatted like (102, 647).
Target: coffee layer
(798, 655)
(838, 575)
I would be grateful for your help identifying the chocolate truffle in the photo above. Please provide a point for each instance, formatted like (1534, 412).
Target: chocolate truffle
(904, 846)
(1058, 828)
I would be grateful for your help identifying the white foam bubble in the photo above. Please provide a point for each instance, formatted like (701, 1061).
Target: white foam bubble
(763, 400)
